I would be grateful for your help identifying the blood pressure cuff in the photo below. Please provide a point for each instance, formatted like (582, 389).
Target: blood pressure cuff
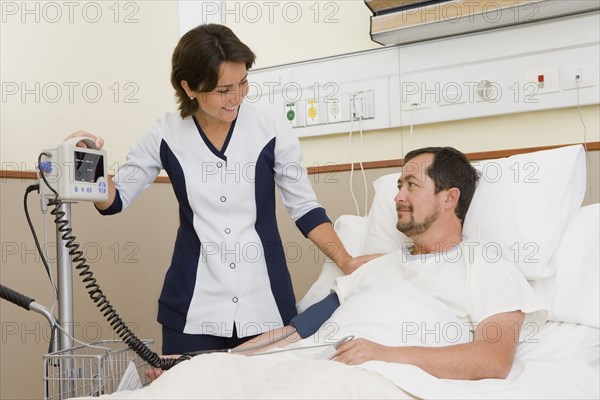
(314, 316)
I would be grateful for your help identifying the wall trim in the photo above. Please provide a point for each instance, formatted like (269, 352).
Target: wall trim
(477, 156)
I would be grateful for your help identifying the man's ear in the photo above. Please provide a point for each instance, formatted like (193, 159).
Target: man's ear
(452, 196)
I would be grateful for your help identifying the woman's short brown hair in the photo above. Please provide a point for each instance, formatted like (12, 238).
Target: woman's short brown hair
(198, 57)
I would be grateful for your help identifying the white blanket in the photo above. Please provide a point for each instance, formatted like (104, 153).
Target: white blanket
(226, 376)
(394, 314)
(284, 376)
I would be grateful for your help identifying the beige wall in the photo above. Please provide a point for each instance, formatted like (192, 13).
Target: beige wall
(303, 30)
(130, 63)
(129, 254)
(106, 77)
(55, 58)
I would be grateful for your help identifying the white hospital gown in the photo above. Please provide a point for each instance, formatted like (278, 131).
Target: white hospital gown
(433, 300)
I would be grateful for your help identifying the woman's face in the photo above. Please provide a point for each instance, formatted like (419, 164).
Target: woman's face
(222, 103)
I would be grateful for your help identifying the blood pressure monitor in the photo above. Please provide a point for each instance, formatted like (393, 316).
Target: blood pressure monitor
(76, 173)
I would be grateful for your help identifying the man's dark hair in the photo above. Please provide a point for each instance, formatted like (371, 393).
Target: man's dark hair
(198, 58)
(450, 168)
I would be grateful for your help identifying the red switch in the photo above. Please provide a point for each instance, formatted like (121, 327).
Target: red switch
(540, 81)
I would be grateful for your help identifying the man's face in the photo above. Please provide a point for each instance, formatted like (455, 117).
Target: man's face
(417, 204)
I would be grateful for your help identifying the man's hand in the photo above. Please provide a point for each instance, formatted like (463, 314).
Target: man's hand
(359, 351)
(354, 263)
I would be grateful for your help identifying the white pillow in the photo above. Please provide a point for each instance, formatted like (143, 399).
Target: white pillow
(351, 230)
(520, 208)
(573, 293)
(523, 204)
(532, 212)
(382, 235)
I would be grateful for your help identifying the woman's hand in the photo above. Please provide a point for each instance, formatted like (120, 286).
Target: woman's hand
(354, 263)
(98, 141)
(154, 373)
(98, 144)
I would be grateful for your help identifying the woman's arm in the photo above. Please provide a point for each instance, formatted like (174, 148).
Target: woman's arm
(325, 238)
(279, 337)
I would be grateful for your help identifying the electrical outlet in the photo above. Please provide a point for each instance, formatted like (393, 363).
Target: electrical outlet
(416, 100)
(568, 80)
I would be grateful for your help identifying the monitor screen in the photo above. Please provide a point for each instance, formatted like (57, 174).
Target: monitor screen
(88, 167)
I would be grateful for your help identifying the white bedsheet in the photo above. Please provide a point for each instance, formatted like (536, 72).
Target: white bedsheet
(546, 367)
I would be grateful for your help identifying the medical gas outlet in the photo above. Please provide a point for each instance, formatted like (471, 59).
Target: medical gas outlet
(315, 114)
(294, 113)
(337, 108)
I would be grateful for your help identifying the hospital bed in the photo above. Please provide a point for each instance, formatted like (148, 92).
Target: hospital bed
(528, 209)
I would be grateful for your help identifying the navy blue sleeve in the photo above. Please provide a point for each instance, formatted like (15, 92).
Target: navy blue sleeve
(115, 207)
(314, 316)
(312, 219)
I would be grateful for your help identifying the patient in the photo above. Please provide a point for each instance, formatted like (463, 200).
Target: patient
(488, 293)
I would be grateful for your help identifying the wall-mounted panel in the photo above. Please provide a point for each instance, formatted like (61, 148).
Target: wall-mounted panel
(525, 68)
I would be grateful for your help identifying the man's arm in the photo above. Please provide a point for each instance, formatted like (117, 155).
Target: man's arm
(490, 355)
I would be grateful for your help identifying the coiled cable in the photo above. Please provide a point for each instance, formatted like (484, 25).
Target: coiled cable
(94, 291)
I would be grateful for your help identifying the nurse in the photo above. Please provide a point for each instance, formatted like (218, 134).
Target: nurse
(228, 279)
